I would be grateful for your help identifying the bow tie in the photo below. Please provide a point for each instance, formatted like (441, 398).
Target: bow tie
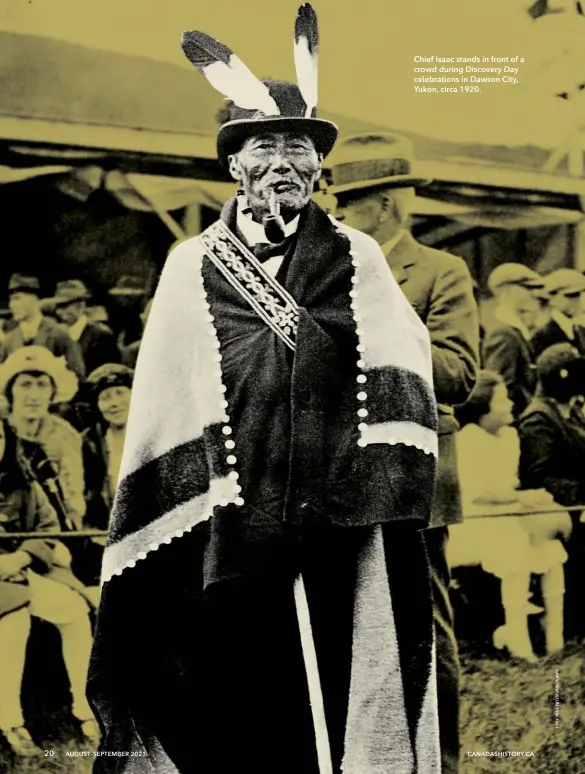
(265, 251)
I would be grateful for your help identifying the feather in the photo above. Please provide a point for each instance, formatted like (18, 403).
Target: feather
(306, 51)
(227, 73)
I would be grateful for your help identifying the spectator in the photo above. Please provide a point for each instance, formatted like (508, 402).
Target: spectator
(566, 287)
(511, 548)
(32, 379)
(36, 580)
(102, 448)
(33, 328)
(506, 347)
(96, 340)
(130, 353)
(552, 429)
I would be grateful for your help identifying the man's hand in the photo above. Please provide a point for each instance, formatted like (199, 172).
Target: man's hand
(12, 564)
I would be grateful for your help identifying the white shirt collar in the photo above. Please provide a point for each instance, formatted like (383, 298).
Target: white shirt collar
(252, 231)
(509, 318)
(564, 323)
(76, 330)
(388, 246)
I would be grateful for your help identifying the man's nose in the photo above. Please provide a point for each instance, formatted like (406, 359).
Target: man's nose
(280, 162)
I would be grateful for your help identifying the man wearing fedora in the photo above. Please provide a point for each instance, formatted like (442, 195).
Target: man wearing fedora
(97, 342)
(507, 347)
(371, 179)
(566, 289)
(33, 328)
(265, 552)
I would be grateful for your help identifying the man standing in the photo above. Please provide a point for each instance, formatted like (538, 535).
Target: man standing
(506, 348)
(97, 342)
(566, 288)
(35, 329)
(265, 554)
(440, 289)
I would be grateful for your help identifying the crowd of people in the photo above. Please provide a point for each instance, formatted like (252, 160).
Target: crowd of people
(65, 383)
(521, 450)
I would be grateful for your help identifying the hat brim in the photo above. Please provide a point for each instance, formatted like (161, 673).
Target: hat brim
(126, 292)
(233, 134)
(19, 289)
(56, 301)
(394, 181)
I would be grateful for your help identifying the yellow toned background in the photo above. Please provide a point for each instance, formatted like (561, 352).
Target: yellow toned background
(366, 61)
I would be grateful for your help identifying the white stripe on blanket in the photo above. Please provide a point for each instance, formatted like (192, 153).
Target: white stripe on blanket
(408, 433)
(375, 289)
(125, 552)
(376, 733)
(164, 412)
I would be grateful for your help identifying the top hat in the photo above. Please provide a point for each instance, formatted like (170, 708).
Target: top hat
(24, 283)
(371, 160)
(255, 106)
(68, 292)
(243, 123)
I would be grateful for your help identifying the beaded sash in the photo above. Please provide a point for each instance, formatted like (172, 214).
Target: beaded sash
(245, 273)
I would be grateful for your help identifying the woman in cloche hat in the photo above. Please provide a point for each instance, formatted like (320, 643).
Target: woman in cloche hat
(35, 573)
(32, 379)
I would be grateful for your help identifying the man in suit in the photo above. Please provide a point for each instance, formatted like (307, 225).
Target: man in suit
(32, 327)
(440, 288)
(566, 288)
(507, 345)
(97, 342)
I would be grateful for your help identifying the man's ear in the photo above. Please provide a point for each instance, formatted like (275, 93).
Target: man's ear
(320, 171)
(234, 166)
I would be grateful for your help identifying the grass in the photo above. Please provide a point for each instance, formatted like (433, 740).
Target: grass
(505, 705)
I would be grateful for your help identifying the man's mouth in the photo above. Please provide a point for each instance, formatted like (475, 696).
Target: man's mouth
(284, 186)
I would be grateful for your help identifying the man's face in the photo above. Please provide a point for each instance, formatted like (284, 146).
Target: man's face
(286, 164)
(568, 305)
(527, 307)
(362, 213)
(69, 314)
(23, 305)
(31, 396)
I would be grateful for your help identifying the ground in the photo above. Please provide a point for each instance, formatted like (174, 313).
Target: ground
(505, 705)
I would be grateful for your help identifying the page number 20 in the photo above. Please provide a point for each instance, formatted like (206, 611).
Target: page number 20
(49, 753)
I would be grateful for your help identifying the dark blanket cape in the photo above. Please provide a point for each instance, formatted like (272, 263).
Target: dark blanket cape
(257, 458)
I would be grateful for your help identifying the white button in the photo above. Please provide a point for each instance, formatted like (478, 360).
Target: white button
(223, 388)
(223, 503)
(362, 426)
(355, 281)
(141, 555)
(153, 546)
(231, 460)
(359, 331)
(233, 474)
(230, 444)
(210, 318)
(217, 358)
(362, 378)
(360, 348)
(362, 396)
(226, 430)
(131, 563)
(362, 443)
(167, 540)
(224, 404)
(179, 533)
(239, 500)
(352, 294)
(361, 363)
(362, 412)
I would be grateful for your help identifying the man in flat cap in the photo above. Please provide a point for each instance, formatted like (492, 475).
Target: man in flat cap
(565, 288)
(373, 184)
(507, 348)
(33, 328)
(97, 342)
(266, 599)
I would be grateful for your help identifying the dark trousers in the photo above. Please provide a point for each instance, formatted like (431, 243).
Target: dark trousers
(446, 648)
